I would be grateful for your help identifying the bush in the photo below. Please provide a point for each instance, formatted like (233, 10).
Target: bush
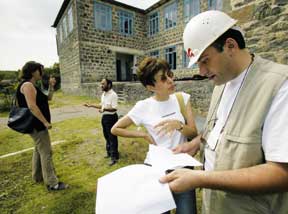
(6, 95)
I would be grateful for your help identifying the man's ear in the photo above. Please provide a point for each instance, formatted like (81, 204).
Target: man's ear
(231, 43)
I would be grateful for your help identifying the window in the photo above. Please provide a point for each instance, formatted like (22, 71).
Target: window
(153, 24)
(154, 54)
(60, 34)
(215, 4)
(125, 22)
(64, 27)
(170, 56)
(191, 8)
(102, 17)
(70, 19)
(170, 16)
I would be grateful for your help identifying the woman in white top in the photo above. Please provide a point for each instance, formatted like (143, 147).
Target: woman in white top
(161, 115)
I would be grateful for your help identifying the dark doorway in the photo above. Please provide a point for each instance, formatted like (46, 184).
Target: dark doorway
(124, 63)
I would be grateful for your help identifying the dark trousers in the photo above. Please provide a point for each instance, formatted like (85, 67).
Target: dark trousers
(185, 201)
(108, 120)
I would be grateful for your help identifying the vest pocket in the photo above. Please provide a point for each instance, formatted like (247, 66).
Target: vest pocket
(234, 152)
(246, 140)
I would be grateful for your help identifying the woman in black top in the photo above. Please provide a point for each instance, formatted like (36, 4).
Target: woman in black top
(28, 95)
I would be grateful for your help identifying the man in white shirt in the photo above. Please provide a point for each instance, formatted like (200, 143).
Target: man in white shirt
(245, 138)
(108, 108)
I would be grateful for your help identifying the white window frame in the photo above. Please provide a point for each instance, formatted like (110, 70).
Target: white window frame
(102, 17)
(125, 18)
(155, 54)
(153, 24)
(60, 35)
(170, 16)
(215, 4)
(70, 19)
(191, 8)
(64, 28)
(171, 56)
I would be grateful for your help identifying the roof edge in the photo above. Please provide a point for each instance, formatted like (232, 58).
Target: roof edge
(60, 13)
(66, 3)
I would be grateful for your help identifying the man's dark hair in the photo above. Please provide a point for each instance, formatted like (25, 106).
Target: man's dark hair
(231, 33)
(109, 83)
(149, 67)
(29, 68)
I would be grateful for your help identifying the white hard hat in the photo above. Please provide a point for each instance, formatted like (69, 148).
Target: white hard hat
(202, 30)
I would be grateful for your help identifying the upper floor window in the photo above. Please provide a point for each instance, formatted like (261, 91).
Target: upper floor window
(64, 27)
(102, 17)
(170, 16)
(60, 36)
(154, 54)
(153, 24)
(170, 56)
(70, 19)
(125, 22)
(191, 8)
(215, 4)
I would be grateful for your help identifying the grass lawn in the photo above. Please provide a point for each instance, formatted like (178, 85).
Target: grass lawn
(78, 161)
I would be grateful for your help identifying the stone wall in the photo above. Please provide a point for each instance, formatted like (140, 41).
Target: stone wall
(265, 24)
(200, 91)
(97, 47)
(170, 37)
(68, 51)
(87, 55)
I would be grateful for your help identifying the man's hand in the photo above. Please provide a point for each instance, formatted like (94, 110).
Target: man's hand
(52, 82)
(86, 105)
(181, 180)
(191, 147)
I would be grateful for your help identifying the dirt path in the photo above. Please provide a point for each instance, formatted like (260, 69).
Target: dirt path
(68, 112)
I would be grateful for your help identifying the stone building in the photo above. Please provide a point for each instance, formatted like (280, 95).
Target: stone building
(105, 38)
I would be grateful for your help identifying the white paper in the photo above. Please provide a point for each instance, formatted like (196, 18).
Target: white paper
(162, 159)
(134, 189)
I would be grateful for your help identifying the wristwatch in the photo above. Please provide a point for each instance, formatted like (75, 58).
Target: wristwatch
(181, 127)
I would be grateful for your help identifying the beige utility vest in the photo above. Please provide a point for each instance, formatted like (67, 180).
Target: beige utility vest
(241, 142)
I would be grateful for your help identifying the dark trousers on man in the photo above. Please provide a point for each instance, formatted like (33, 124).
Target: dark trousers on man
(108, 120)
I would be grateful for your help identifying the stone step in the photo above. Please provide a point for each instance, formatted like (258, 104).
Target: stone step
(122, 97)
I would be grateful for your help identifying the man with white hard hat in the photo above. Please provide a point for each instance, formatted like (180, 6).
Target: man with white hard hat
(245, 140)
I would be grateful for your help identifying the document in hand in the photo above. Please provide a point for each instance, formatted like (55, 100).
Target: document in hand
(136, 189)
(133, 189)
(163, 159)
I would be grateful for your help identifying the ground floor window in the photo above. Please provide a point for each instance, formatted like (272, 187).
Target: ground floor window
(170, 56)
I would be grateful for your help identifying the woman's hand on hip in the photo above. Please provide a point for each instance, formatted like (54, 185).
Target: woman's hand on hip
(48, 125)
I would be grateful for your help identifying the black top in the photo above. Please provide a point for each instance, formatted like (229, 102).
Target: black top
(41, 102)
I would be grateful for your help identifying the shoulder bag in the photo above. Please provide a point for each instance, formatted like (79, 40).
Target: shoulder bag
(20, 119)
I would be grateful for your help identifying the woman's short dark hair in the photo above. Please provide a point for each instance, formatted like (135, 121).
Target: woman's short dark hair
(149, 67)
(230, 33)
(29, 68)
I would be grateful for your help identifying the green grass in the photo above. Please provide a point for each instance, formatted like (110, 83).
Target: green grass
(78, 161)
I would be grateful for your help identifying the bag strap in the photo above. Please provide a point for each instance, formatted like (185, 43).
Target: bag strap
(181, 103)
